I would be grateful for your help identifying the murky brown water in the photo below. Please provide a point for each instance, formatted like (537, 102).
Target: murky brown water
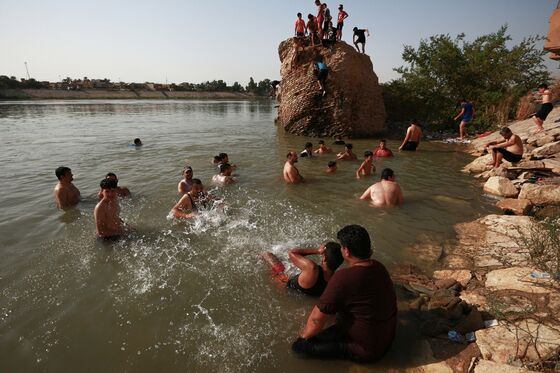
(180, 296)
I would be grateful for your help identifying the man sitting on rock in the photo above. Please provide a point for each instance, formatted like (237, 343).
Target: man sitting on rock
(510, 148)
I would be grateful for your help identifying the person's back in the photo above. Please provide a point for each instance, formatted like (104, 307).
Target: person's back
(415, 133)
(385, 194)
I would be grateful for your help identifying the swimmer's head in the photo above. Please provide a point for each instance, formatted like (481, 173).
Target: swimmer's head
(543, 86)
(299, 15)
(387, 174)
(355, 241)
(382, 144)
(225, 168)
(137, 142)
(333, 256)
(224, 157)
(348, 146)
(308, 145)
(414, 121)
(187, 172)
(292, 156)
(506, 132)
(368, 154)
(197, 186)
(108, 184)
(331, 164)
(217, 159)
(63, 172)
(321, 142)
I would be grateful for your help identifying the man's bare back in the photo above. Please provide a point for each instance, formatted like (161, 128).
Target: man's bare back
(384, 194)
(66, 195)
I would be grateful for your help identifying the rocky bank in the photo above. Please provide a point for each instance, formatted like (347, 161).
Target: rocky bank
(352, 106)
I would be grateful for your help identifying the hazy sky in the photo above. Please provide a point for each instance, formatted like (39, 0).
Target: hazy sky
(202, 40)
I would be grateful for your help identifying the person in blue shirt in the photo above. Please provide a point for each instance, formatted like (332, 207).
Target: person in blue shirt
(322, 73)
(466, 114)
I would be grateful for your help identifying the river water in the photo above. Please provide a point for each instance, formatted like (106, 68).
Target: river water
(187, 296)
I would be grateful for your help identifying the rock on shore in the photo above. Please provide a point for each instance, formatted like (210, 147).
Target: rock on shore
(352, 106)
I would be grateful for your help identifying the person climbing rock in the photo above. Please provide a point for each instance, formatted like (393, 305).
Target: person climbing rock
(322, 73)
(360, 38)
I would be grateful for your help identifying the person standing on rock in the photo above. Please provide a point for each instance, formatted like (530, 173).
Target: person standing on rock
(342, 15)
(327, 20)
(322, 72)
(312, 28)
(300, 28)
(386, 192)
(510, 148)
(412, 138)
(360, 38)
(546, 107)
(466, 115)
(320, 17)
(291, 173)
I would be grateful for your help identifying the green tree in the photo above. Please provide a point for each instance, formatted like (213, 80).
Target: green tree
(486, 71)
(236, 87)
(252, 86)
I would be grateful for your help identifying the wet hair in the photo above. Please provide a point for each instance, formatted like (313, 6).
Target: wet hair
(383, 141)
(224, 167)
(321, 142)
(505, 131)
(110, 174)
(545, 86)
(355, 29)
(308, 145)
(333, 256)
(61, 171)
(340, 6)
(289, 154)
(108, 184)
(368, 153)
(217, 158)
(223, 155)
(387, 173)
(348, 146)
(196, 181)
(299, 14)
(356, 239)
(331, 164)
(137, 141)
(310, 16)
(414, 121)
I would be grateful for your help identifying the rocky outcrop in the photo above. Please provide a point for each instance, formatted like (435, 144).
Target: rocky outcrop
(515, 206)
(352, 105)
(541, 195)
(500, 186)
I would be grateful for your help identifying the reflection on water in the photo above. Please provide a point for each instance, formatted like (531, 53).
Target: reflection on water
(178, 296)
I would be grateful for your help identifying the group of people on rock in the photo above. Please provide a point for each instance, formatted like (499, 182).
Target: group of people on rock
(321, 29)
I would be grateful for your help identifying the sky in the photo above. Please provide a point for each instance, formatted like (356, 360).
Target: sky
(195, 41)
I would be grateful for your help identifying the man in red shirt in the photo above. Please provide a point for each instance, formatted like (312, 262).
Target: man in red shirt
(382, 150)
(363, 299)
(342, 15)
(300, 29)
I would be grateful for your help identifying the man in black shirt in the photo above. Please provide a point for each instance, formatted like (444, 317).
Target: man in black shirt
(360, 38)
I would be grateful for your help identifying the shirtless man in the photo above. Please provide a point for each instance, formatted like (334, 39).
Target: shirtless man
(382, 150)
(347, 154)
(510, 148)
(300, 29)
(65, 193)
(323, 149)
(367, 166)
(331, 167)
(185, 185)
(412, 138)
(385, 193)
(224, 177)
(108, 224)
(186, 208)
(546, 108)
(121, 191)
(320, 17)
(312, 28)
(291, 173)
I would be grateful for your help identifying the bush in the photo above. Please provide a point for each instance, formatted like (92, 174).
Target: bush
(543, 243)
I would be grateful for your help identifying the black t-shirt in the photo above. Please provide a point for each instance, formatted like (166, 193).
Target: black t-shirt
(364, 301)
(361, 34)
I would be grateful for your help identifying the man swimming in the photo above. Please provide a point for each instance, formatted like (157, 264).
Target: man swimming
(331, 167)
(510, 148)
(224, 177)
(187, 207)
(121, 191)
(367, 166)
(347, 154)
(108, 224)
(338, 140)
(185, 185)
(307, 150)
(466, 114)
(382, 150)
(65, 192)
(323, 149)
(546, 107)
(313, 278)
(291, 173)
(412, 138)
(385, 193)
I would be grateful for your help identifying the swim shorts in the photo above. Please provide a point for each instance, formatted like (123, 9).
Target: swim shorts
(509, 156)
(466, 120)
(410, 146)
(339, 26)
(322, 75)
(361, 39)
(300, 34)
(325, 26)
(544, 111)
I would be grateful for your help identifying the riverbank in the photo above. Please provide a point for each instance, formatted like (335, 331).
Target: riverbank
(490, 279)
(102, 94)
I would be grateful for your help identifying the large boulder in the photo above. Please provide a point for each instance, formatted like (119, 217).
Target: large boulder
(548, 149)
(515, 206)
(541, 195)
(352, 106)
(480, 164)
(500, 186)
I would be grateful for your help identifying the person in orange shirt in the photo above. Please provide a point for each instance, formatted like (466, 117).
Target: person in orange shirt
(300, 29)
(312, 28)
(342, 15)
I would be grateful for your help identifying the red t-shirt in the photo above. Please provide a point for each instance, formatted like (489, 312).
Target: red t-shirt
(382, 153)
(364, 301)
(341, 15)
(300, 25)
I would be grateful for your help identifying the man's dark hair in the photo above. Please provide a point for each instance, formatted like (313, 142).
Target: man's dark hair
(321, 142)
(383, 141)
(196, 181)
(310, 16)
(108, 184)
(331, 164)
(61, 171)
(355, 29)
(545, 86)
(308, 145)
(387, 173)
(505, 131)
(217, 158)
(348, 146)
(368, 153)
(333, 256)
(288, 155)
(222, 155)
(414, 121)
(340, 6)
(299, 14)
(110, 174)
(356, 239)
(224, 167)
(137, 141)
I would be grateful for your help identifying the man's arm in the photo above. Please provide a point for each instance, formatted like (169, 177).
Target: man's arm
(400, 197)
(492, 144)
(367, 30)
(406, 138)
(506, 144)
(100, 218)
(315, 323)
(366, 196)
(362, 168)
(460, 113)
(297, 257)
(183, 204)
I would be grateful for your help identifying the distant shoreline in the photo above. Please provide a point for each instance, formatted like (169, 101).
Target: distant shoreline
(103, 94)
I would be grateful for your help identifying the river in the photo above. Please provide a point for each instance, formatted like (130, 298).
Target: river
(187, 296)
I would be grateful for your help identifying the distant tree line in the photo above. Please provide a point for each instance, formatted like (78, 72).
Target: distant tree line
(486, 71)
(12, 82)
